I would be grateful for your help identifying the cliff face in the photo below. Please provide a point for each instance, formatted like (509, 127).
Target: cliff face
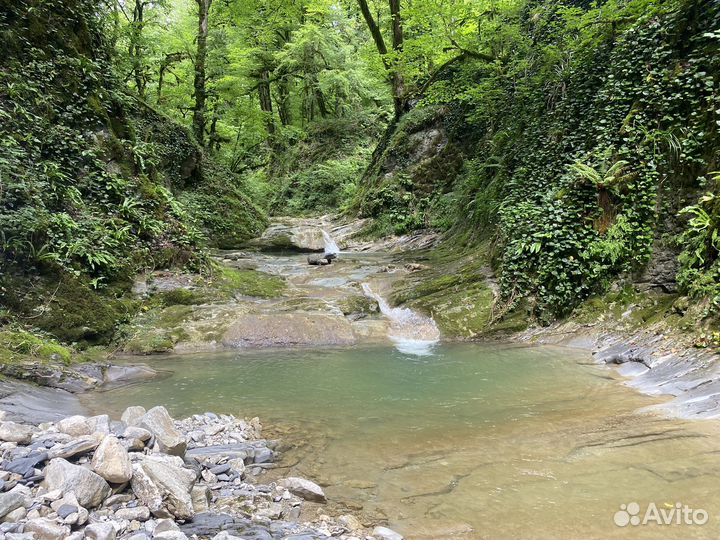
(574, 165)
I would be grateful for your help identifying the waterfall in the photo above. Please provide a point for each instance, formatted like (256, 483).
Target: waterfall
(411, 332)
(331, 247)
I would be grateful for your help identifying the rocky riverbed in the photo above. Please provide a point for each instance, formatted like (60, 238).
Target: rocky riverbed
(147, 476)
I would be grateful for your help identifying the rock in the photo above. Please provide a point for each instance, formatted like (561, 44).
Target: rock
(164, 486)
(158, 422)
(200, 496)
(23, 466)
(288, 329)
(224, 535)
(170, 535)
(132, 415)
(100, 531)
(100, 423)
(66, 509)
(12, 500)
(80, 446)
(89, 488)
(383, 533)
(111, 461)
(263, 455)
(75, 426)
(165, 525)
(318, 260)
(134, 432)
(17, 433)
(139, 513)
(47, 529)
(15, 516)
(291, 235)
(350, 522)
(303, 488)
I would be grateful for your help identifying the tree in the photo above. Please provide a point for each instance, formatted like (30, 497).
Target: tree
(203, 20)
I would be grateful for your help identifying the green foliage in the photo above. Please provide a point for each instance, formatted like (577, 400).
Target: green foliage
(699, 272)
(18, 343)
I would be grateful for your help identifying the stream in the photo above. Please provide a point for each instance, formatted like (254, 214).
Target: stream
(449, 440)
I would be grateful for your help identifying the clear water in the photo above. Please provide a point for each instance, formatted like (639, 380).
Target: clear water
(473, 441)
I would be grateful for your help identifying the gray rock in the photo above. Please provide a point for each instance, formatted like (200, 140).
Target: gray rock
(80, 446)
(25, 465)
(139, 513)
(158, 422)
(304, 488)
(318, 260)
(47, 529)
(164, 486)
(134, 432)
(132, 415)
(66, 509)
(89, 488)
(12, 500)
(17, 433)
(111, 461)
(100, 423)
(16, 516)
(384, 533)
(164, 525)
(200, 496)
(100, 531)
(224, 535)
(75, 426)
(170, 535)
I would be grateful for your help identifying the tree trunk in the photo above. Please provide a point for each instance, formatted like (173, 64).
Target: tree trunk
(396, 79)
(283, 101)
(135, 48)
(266, 100)
(200, 59)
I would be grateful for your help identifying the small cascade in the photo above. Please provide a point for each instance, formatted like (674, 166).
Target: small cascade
(331, 248)
(411, 332)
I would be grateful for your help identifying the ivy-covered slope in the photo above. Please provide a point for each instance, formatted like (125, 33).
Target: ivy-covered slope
(92, 181)
(593, 140)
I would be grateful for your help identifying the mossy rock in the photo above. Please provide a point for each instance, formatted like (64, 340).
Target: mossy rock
(17, 344)
(249, 283)
(358, 305)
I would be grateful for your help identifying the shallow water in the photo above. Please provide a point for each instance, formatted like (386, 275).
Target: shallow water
(473, 441)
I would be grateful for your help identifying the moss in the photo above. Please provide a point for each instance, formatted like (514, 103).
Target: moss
(184, 297)
(249, 283)
(18, 344)
(358, 305)
(67, 307)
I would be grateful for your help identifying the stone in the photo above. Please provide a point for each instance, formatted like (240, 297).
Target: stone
(350, 522)
(132, 415)
(303, 488)
(139, 513)
(111, 461)
(75, 426)
(134, 432)
(263, 455)
(66, 509)
(12, 500)
(170, 535)
(318, 260)
(288, 330)
(78, 447)
(158, 422)
(165, 525)
(224, 535)
(89, 488)
(47, 529)
(200, 496)
(384, 533)
(100, 531)
(164, 486)
(15, 516)
(26, 464)
(100, 423)
(17, 433)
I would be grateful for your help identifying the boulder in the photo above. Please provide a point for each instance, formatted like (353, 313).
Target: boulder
(111, 461)
(290, 235)
(80, 446)
(303, 488)
(76, 426)
(100, 423)
(158, 422)
(132, 415)
(287, 330)
(100, 531)
(383, 533)
(47, 529)
(164, 486)
(89, 488)
(17, 433)
(12, 500)
(318, 260)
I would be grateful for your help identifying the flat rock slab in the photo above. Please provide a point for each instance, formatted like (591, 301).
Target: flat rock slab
(288, 330)
(27, 403)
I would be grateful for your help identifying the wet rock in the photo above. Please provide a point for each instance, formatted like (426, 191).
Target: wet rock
(287, 330)
(17, 433)
(111, 461)
(384, 533)
(318, 260)
(158, 422)
(89, 488)
(304, 488)
(47, 529)
(164, 486)
(100, 531)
